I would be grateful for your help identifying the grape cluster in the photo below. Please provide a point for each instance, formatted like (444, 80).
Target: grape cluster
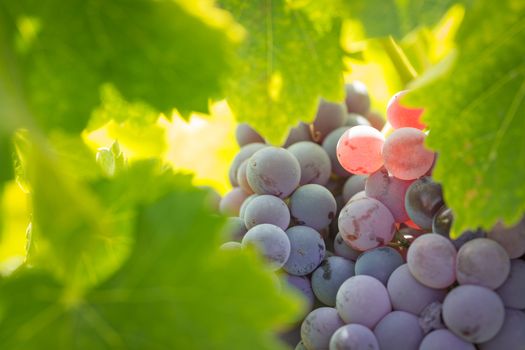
(353, 220)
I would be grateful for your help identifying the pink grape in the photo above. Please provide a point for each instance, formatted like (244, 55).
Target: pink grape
(366, 223)
(432, 260)
(359, 150)
(400, 116)
(405, 154)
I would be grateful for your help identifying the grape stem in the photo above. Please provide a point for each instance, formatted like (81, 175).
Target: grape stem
(404, 68)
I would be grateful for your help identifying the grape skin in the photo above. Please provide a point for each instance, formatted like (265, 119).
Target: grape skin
(246, 135)
(405, 154)
(389, 329)
(363, 300)
(267, 209)
(354, 337)
(354, 119)
(303, 285)
(329, 117)
(378, 263)
(231, 203)
(473, 313)
(271, 241)
(242, 180)
(512, 291)
(244, 153)
(307, 250)
(366, 223)
(359, 150)
(319, 326)
(357, 99)
(430, 317)
(344, 250)
(407, 294)
(511, 238)
(444, 339)
(423, 199)
(244, 204)
(400, 116)
(315, 163)
(329, 276)
(313, 205)
(330, 147)
(354, 184)
(235, 228)
(511, 335)
(299, 133)
(273, 170)
(482, 262)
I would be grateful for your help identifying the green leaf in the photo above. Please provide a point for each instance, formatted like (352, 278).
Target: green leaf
(475, 112)
(285, 65)
(166, 53)
(175, 291)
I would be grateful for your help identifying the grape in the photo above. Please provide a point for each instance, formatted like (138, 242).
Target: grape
(244, 205)
(362, 299)
(315, 163)
(442, 221)
(354, 184)
(423, 199)
(430, 317)
(512, 291)
(358, 195)
(271, 241)
(376, 120)
(303, 285)
(242, 180)
(291, 336)
(344, 250)
(467, 236)
(366, 223)
(407, 294)
(330, 147)
(329, 117)
(378, 263)
(273, 170)
(297, 134)
(244, 153)
(231, 203)
(400, 116)
(405, 155)
(354, 119)
(319, 326)
(307, 250)
(397, 323)
(230, 246)
(359, 150)
(482, 262)
(444, 339)
(235, 228)
(354, 337)
(512, 334)
(357, 99)
(431, 259)
(390, 191)
(329, 276)
(473, 313)
(267, 209)
(313, 205)
(245, 135)
(511, 238)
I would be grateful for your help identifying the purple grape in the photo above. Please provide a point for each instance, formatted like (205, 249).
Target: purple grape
(358, 195)
(231, 203)
(366, 223)
(442, 222)
(315, 163)
(274, 171)
(299, 133)
(330, 147)
(357, 99)
(407, 294)
(313, 205)
(423, 199)
(378, 263)
(244, 153)
(354, 119)
(482, 262)
(267, 209)
(389, 329)
(329, 276)
(431, 259)
(329, 117)
(467, 236)
(511, 335)
(444, 339)
(354, 337)
(307, 250)
(430, 317)
(389, 191)
(235, 228)
(303, 285)
(364, 300)
(244, 204)
(242, 180)
(271, 241)
(245, 135)
(473, 313)
(354, 185)
(319, 326)
(344, 250)
(511, 238)
(512, 291)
